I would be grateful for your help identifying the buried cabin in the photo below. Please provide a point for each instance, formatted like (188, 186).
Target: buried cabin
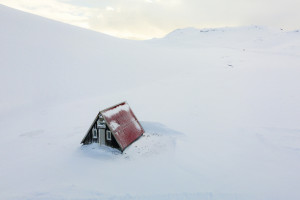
(116, 127)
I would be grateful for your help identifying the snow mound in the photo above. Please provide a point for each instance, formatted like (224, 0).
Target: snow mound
(157, 139)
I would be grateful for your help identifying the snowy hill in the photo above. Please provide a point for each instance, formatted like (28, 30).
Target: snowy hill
(220, 108)
(254, 37)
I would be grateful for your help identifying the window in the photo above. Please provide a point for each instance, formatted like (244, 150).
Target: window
(108, 135)
(94, 132)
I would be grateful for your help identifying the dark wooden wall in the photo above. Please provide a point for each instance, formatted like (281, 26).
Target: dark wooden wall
(112, 143)
(89, 138)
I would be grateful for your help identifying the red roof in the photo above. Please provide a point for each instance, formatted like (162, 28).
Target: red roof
(123, 123)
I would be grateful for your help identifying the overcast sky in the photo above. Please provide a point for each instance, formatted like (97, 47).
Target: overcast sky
(144, 19)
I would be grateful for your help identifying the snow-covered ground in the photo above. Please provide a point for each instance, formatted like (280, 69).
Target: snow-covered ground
(221, 110)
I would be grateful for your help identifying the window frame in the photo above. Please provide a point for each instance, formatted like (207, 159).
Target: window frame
(108, 133)
(94, 133)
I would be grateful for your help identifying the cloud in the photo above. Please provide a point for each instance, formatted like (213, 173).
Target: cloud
(143, 19)
(53, 9)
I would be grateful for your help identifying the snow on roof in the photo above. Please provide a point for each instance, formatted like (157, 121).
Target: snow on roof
(123, 123)
(116, 109)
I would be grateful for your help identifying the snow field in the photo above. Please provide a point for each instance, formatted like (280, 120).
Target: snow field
(220, 108)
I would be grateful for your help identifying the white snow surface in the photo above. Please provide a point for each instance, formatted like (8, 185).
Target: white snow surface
(220, 107)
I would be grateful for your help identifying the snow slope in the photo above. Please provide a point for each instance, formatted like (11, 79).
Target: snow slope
(220, 107)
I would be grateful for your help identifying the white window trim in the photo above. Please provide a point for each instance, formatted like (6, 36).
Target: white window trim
(94, 133)
(108, 135)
